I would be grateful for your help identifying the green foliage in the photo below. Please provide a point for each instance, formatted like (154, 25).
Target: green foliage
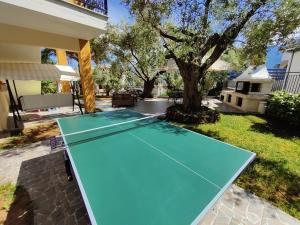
(136, 46)
(109, 77)
(132, 81)
(100, 48)
(48, 87)
(6, 195)
(195, 33)
(172, 80)
(285, 107)
(48, 55)
(213, 82)
(236, 57)
(273, 29)
(177, 114)
(193, 28)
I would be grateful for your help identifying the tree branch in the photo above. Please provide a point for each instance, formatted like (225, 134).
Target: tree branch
(204, 21)
(168, 36)
(157, 75)
(229, 35)
(136, 71)
(138, 62)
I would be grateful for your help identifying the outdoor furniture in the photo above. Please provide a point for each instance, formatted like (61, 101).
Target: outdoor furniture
(32, 102)
(175, 95)
(123, 99)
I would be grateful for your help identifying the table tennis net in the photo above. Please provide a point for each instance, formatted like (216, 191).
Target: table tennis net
(108, 130)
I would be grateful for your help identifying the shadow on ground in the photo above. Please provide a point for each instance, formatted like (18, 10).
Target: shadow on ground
(209, 133)
(44, 196)
(278, 128)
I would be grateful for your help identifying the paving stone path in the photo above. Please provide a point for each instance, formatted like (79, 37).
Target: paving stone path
(54, 200)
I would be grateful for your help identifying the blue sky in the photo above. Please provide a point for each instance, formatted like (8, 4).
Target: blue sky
(117, 12)
(273, 57)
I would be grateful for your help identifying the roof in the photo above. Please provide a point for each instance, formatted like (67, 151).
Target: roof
(255, 73)
(36, 71)
(221, 65)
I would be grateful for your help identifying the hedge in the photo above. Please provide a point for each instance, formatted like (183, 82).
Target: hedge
(284, 107)
(176, 113)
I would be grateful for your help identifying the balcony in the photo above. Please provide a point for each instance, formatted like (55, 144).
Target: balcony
(52, 23)
(98, 6)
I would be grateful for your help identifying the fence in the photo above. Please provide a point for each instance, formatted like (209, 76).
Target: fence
(289, 82)
(99, 6)
(292, 83)
(278, 77)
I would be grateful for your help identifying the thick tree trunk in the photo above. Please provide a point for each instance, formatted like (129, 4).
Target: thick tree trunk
(107, 90)
(148, 88)
(191, 95)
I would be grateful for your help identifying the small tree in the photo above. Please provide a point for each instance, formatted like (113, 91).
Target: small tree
(173, 81)
(109, 77)
(139, 47)
(48, 87)
(197, 32)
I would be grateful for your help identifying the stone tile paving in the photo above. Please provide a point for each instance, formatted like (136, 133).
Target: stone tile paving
(147, 106)
(54, 200)
(238, 207)
(159, 105)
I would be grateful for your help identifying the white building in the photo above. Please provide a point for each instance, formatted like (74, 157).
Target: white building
(251, 91)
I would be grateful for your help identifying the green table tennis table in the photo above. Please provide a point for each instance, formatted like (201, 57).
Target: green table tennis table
(134, 169)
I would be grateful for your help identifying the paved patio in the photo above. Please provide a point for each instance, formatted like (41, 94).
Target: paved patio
(159, 105)
(50, 199)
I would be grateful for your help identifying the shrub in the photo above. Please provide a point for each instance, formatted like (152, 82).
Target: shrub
(284, 107)
(48, 86)
(176, 113)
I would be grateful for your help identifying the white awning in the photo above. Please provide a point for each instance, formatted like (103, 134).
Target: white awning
(36, 71)
(219, 65)
(255, 74)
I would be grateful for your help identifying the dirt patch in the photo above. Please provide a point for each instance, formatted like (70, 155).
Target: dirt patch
(3, 213)
(30, 135)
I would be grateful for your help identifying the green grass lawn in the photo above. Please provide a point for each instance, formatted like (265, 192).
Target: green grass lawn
(275, 173)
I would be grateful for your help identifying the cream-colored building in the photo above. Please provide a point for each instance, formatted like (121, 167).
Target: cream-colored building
(64, 25)
(251, 91)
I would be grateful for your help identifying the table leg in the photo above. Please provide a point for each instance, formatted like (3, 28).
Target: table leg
(68, 166)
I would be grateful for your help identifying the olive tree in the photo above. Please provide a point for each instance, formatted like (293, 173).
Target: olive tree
(196, 33)
(139, 47)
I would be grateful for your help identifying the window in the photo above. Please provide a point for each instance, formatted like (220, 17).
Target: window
(239, 86)
(222, 98)
(255, 87)
(239, 101)
(229, 98)
(242, 87)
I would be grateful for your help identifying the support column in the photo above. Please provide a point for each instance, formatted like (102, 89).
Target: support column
(62, 60)
(87, 82)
